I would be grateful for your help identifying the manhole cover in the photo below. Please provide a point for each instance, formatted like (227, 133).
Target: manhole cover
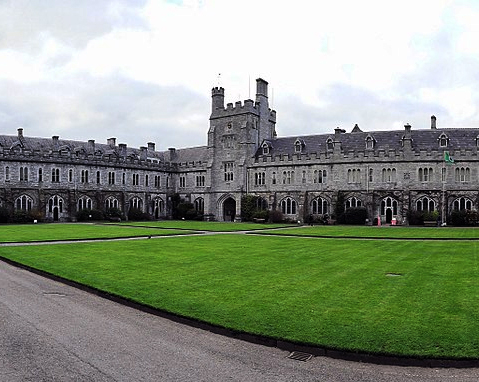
(300, 356)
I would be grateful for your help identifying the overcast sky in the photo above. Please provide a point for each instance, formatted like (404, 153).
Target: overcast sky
(142, 70)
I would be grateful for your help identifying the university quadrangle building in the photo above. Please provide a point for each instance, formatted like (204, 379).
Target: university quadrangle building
(387, 172)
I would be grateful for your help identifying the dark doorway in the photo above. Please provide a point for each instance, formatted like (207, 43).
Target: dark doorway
(55, 214)
(229, 210)
(389, 215)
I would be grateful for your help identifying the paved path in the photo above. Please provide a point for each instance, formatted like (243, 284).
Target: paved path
(53, 332)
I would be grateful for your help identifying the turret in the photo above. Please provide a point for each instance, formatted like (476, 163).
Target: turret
(218, 99)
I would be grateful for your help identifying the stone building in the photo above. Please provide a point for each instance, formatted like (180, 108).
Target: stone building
(387, 172)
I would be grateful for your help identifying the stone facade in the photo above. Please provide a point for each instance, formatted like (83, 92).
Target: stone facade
(388, 172)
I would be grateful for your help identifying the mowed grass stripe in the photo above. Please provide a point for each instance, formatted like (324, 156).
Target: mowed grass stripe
(327, 292)
(74, 231)
(390, 232)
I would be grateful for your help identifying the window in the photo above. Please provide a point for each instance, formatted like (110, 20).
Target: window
(461, 204)
(462, 174)
(354, 176)
(425, 174)
(147, 182)
(7, 173)
(200, 180)
(389, 204)
(319, 206)
(288, 177)
(319, 176)
(389, 175)
(303, 177)
(273, 178)
(158, 207)
(111, 202)
(200, 205)
(123, 178)
(425, 204)
(443, 174)
(111, 177)
(370, 174)
(84, 176)
(55, 202)
(70, 175)
(136, 179)
(353, 202)
(98, 177)
(136, 203)
(288, 206)
(55, 175)
(24, 203)
(443, 140)
(157, 181)
(369, 143)
(40, 174)
(329, 144)
(182, 181)
(84, 203)
(23, 174)
(265, 149)
(298, 146)
(259, 178)
(228, 169)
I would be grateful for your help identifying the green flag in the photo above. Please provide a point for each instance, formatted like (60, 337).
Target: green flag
(447, 158)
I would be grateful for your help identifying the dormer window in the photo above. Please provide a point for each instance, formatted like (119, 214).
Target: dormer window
(443, 140)
(265, 150)
(369, 143)
(266, 147)
(329, 144)
(298, 145)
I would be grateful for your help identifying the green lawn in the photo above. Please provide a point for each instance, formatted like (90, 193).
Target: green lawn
(47, 232)
(381, 232)
(417, 298)
(204, 226)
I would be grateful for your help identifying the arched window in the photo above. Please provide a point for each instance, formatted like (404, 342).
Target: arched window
(136, 203)
(319, 206)
(353, 202)
(461, 204)
(24, 203)
(389, 203)
(329, 144)
(23, 174)
(85, 203)
(55, 202)
(425, 204)
(111, 202)
(200, 205)
(158, 207)
(288, 206)
(462, 174)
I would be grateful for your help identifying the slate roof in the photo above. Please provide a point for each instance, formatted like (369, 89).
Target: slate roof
(427, 139)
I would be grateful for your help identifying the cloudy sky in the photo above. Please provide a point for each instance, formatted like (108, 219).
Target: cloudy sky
(142, 70)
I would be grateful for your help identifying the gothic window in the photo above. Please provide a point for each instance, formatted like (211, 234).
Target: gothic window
(273, 178)
(303, 177)
(319, 206)
(298, 146)
(425, 204)
(259, 178)
(7, 173)
(288, 206)
(200, 180)
(425, 174)
(40, 174)
(98, 177)
(136, 179)
(111, 177)
(200, 205)
(85, 203)
(354, 176)
(111, 202)
(261, 204)
(182, 181)
(461, 204)
(23, 174)
(389, 204)
(370, 174)
(123, 178)
(228, 171)
(443, 140)
(389, 175)
(147, 180)
(55, 202)
(55, 175)
(70, 175)
(24, 203)
(265, 149)
(84, 176)
(353, 202)
(462, 174)
(136, 203)
(443, 174)
(158, 207)
(369, 143)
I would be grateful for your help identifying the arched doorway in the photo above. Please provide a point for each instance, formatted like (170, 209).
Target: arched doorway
(389, 209)
(229, 210)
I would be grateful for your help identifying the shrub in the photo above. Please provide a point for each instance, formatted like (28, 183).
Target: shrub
(355, 215)
(86, 215)
(4, 215)
(276, 216)
(113, 214)
(137, 215)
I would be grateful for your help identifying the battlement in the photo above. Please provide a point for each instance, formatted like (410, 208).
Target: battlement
(247, 106)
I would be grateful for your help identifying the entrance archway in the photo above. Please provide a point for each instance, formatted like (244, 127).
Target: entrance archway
(389, 215)
(229, 210)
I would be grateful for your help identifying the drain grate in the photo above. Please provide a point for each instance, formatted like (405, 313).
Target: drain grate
(300, 356)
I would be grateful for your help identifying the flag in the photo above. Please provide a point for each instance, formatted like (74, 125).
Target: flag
(447, 158)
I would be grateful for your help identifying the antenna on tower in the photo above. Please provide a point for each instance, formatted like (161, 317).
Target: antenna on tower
(219, 79)
(249, 86)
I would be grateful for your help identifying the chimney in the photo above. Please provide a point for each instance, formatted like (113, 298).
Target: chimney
(172, 151)
(151, 146)
(111, 142)
(143, 155)
(122, 147)
(407, 128)
(20, 132)
(433, 122)
(261, 88)
(91, 145)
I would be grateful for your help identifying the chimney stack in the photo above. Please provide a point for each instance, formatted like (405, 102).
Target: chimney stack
(433, 122)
